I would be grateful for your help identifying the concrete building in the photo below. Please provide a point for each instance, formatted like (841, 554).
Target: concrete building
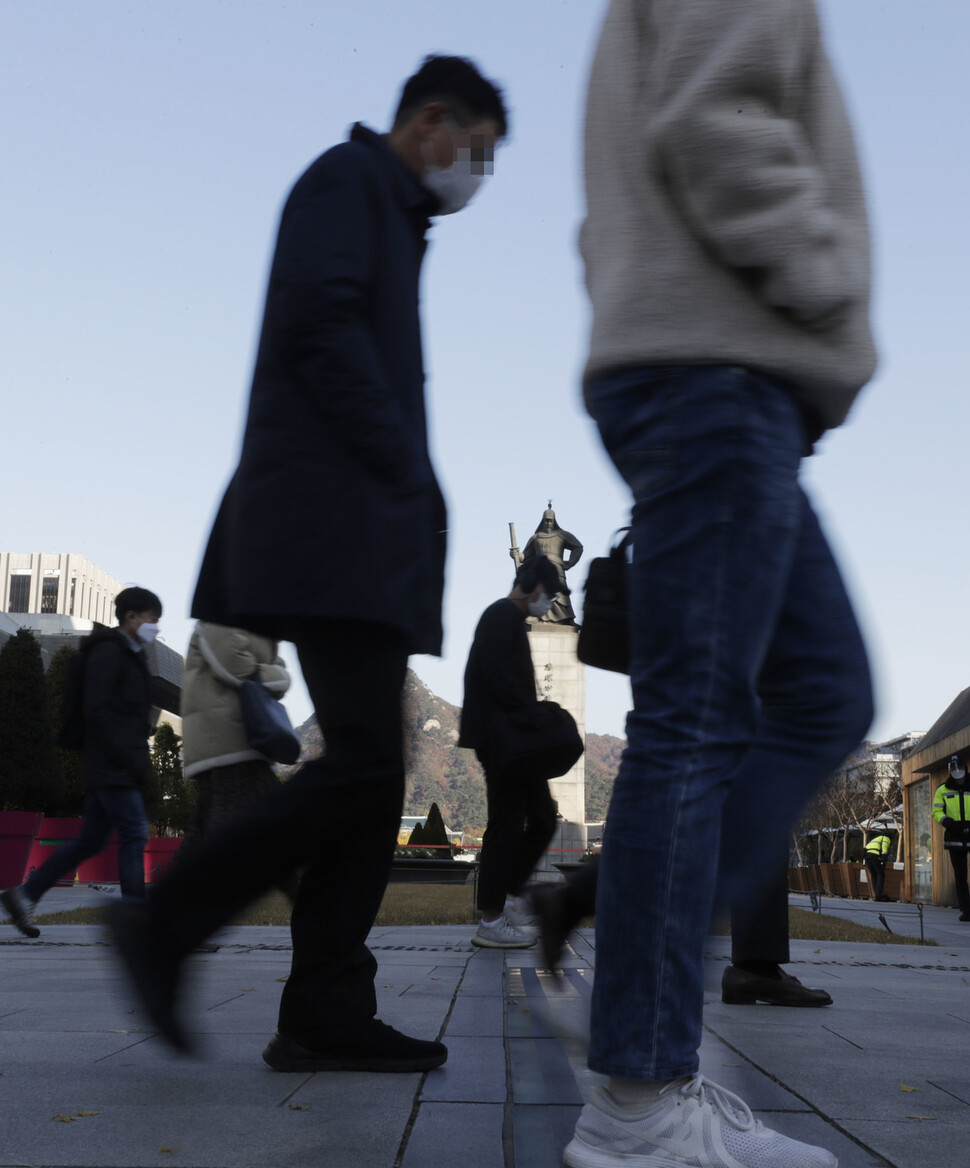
(60, 598)
(56, 583)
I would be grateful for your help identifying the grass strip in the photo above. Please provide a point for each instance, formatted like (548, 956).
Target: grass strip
(451, 904)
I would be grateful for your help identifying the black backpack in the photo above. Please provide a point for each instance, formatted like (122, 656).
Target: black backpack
(71, 735)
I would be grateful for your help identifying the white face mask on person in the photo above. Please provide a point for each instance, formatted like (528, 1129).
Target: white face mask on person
(541, 606)
(957, 772)
(455, 185)
(147, 633)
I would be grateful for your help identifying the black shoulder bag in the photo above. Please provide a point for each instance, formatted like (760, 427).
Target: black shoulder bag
(604, 637)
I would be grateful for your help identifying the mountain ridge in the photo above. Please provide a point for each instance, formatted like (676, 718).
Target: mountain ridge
(439, 771)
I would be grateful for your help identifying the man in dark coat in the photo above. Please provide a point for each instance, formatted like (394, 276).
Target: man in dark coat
(116, 705)
(500, 680)
(332, 535)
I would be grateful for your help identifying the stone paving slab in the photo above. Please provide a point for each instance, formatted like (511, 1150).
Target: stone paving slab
(71, 1041)
(461, 1134)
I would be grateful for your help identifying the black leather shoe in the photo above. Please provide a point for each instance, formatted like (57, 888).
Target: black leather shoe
(372, 1046)
(963, 917)
(153, 970)
(741, 988)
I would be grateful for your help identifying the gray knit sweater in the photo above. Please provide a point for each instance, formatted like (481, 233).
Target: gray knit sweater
(726, 220)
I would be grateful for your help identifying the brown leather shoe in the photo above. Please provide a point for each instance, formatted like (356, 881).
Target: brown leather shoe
(741, 988)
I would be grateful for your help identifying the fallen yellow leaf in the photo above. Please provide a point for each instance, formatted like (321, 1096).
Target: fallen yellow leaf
(904, 1087)
(85, 1114)
(249, 989)
(298, 1107)
(63, 1118)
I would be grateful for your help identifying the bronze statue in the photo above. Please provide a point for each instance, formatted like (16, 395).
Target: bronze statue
(551, 541)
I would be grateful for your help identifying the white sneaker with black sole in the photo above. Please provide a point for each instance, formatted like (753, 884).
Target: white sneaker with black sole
(21, 909)
(694, 1123)
(501, 935)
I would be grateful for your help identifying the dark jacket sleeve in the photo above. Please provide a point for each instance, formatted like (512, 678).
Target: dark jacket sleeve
(322, 287)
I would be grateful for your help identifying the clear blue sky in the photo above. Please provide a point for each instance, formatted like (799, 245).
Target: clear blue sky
(146, 152)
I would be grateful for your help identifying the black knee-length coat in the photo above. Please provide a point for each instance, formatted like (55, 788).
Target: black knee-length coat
(334, 510)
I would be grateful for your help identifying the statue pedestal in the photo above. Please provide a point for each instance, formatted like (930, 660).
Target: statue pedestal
(561, 677)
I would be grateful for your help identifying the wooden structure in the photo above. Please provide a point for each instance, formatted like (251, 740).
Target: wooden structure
(928, 874)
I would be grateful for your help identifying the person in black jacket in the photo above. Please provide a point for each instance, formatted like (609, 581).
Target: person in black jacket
(114, 756)
(331, 535)
(500, 679)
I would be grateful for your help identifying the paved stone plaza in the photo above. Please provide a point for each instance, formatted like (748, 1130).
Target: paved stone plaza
(880, 1077)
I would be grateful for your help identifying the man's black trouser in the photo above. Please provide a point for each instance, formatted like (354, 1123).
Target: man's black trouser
(958, 858)
(521, 822)
(876, 867)
(759, 930)
(338, 819)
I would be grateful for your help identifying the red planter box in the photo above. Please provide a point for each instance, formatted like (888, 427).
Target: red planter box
(53, 832)
(160, 853)
(17, 831)
(102, 868)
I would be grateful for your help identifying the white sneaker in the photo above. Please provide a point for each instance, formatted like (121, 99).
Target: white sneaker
(501, 935)
(695, 1123)
(518, 912)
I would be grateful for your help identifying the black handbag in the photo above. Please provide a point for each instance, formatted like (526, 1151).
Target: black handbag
(268, 727)
(604, 638)
(537, 742)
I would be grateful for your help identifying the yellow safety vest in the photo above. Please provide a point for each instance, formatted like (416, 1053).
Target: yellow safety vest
(951, 804)
(879, 846)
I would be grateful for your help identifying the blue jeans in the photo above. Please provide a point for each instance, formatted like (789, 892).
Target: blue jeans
(750, 685)
(108, 807)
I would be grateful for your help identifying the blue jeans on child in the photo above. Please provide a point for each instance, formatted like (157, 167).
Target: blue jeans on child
(750, 685)
(105, 808)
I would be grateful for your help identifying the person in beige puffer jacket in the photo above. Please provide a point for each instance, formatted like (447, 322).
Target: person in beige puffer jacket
(215, 751)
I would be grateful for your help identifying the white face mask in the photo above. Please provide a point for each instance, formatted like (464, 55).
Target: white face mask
(957, 772)
(454, 185)
(147, 633)
(541, 606)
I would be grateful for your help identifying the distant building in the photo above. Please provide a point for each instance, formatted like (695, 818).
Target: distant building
(62, 583)
(929, 874)
(60, 598)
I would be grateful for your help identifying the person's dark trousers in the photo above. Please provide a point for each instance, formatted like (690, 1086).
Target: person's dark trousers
(876, 867)
(521, 822)
(121, 808)
(958, 858)
(222, 795)
(580, 891)
(759, 921)
(337, 818)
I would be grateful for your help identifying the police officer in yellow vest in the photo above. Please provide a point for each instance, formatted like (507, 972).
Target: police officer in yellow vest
(951, 809)
(877, 852)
